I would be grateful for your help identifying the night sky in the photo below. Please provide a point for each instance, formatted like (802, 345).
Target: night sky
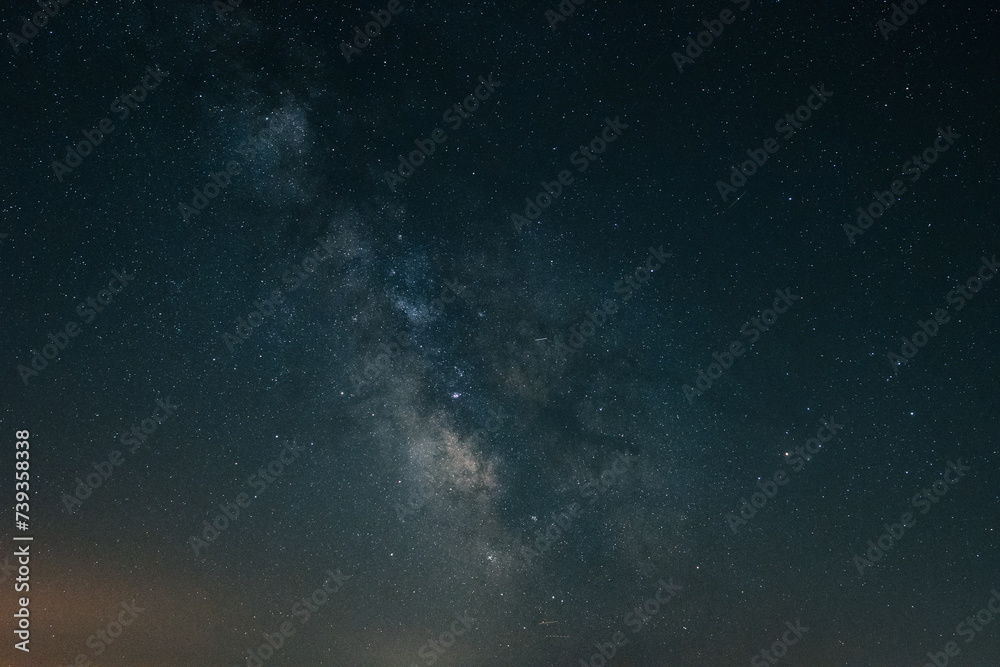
(513, 334)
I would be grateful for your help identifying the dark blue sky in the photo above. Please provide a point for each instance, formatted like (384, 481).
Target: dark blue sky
(412, 429)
